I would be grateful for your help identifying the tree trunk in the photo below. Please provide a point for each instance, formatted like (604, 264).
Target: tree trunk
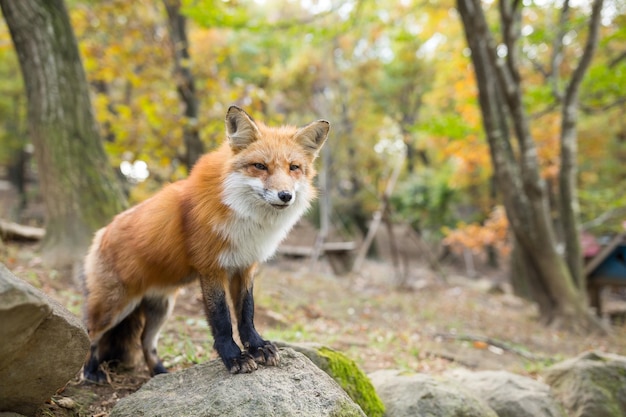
(568, 206)
(17, 177)
(77, 183)
(184, 82)
(517, 174)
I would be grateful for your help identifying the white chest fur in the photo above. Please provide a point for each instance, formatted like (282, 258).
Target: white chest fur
(255, 228)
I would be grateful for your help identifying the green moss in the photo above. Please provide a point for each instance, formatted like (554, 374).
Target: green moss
(346, 409)
(610, 382)
(356, 384)
(592, 384)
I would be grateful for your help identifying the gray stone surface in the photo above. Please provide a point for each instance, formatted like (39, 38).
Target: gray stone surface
(508, 394)
(423, 395)
(294, 388)
(345, 372)
(590, 385)
(42, 345)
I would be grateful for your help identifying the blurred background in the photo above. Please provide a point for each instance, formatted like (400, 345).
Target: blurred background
(408, 175)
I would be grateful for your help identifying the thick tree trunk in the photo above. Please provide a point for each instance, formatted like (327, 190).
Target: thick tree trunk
(517, 175)
(78, 186)
(527, 283)
(184, 82)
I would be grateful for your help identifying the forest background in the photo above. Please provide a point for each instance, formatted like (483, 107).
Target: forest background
(397, 83)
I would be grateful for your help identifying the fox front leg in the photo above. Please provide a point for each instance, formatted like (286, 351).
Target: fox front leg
(218, 315)
(242, 294)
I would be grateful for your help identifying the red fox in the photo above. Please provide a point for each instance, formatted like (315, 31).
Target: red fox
(231, 213)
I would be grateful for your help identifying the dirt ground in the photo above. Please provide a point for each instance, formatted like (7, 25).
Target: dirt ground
(434, 323)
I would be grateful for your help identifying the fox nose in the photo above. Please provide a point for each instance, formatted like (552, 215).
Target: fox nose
(285, 196)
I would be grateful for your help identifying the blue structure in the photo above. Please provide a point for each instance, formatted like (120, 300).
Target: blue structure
(608, 267)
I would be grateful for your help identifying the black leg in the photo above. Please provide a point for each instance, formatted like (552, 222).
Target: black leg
(92, 371)
(111, 323)
(262, 351)
(156, 311)
(218, 315)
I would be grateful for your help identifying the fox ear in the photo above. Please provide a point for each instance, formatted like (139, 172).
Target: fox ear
(240, 129)
(313, 136)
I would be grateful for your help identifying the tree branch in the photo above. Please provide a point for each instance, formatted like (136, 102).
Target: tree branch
(617, 59)
(568, 199)
(493, 109)
(509, 80)
(604, 217)
(557, 51)
(539, 67)
(15, 231)
(547, 110)
(600, 109)
(491, 342)
(511, 18)
(590, 48)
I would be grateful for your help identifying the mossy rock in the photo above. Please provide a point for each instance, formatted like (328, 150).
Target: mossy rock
(346, 373)
(592, 384)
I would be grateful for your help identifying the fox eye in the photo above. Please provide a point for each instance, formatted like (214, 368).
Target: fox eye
(260, 166)
(294, 167)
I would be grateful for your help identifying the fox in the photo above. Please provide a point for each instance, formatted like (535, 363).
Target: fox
(215, 226)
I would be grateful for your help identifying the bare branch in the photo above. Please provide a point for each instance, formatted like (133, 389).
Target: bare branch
(539, 67)
(491, 342)
(547, 110)
(617, 59)
(604, 217)
(601, 109)
(16, 232)
(590, 48)
(557, 51)
(511, 19)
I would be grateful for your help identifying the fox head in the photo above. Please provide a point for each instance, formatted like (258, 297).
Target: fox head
(272, 168)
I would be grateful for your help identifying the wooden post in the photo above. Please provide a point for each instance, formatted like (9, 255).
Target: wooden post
(378, 214)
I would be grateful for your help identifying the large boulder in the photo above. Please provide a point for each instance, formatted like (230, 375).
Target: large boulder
(43, 345)
(508, 394)
(294, 388)
(423, 395)
(345, 372)
(590, 385)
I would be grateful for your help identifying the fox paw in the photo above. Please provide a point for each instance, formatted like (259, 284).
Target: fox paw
(244, 364)
(159, 368)
(95, 376)
(266, 354)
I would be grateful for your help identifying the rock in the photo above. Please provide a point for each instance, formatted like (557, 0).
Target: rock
(43, 345)
(590, 385)
(294, 388)
(423, 395)
(346, 373)
(509, 395)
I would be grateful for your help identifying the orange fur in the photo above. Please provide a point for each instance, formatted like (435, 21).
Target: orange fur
(231, 212)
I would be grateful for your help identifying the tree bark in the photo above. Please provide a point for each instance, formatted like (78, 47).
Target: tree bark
(568, 204)
(517, 174)
(185, 84)
(78, 186)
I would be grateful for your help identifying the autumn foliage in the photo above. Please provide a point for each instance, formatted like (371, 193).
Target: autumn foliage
(398, 75)
(492, 233)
